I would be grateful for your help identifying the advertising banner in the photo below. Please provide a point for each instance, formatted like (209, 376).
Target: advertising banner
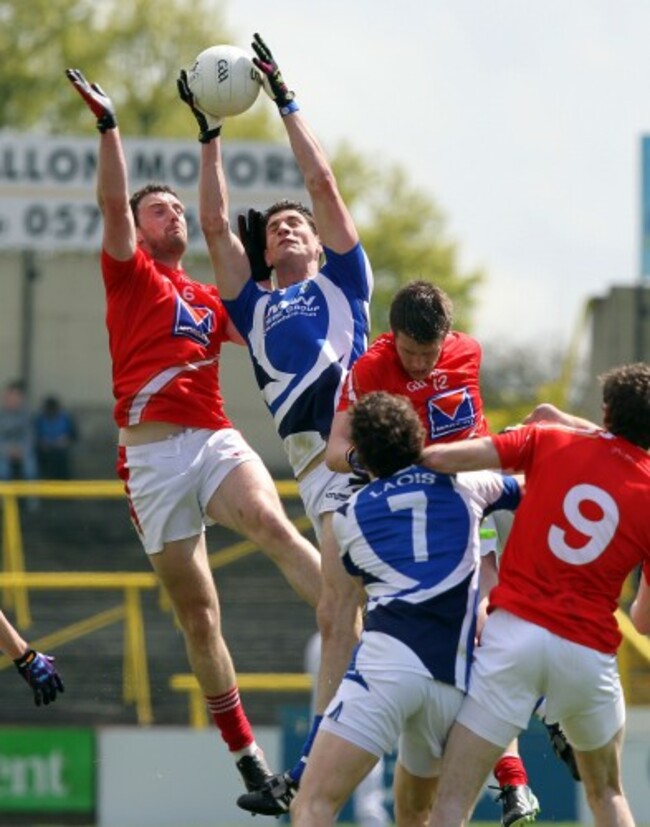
(47, 770)
(47, 184)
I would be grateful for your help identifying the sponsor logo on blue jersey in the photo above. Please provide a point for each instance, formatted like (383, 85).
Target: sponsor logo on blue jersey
(450, 412)
(291, 306)
(196, 323)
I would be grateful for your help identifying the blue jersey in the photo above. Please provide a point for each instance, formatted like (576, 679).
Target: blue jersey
(413, 538)
(303, 339)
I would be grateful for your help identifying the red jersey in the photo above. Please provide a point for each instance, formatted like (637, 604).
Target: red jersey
(165, 333)
(448, 402)
(581, 528)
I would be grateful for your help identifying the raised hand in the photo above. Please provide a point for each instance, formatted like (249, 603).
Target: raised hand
(272, 80)
(209, 126)
(41, 675)
(252, 234)
(96, 99)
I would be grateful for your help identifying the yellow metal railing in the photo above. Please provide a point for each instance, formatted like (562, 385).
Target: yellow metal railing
(136, 684)
(16, 583)
(13, 554)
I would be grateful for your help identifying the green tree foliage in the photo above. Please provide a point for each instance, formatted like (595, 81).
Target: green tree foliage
(404, 233)
(515, 378)
(133, 50)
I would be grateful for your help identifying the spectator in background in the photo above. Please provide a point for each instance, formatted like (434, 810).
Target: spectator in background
(56, 433)
(17, 454)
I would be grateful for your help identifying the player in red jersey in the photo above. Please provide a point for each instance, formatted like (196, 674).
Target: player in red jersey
(422, 358)
(582, 527)
(438, 369)
(183, 464)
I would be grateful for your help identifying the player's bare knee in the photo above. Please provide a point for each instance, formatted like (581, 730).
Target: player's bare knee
(200, 623)
(269, 526)
(308, 807)
(599, 795)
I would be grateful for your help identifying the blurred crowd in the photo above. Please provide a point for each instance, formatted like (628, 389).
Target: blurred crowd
(35, 445)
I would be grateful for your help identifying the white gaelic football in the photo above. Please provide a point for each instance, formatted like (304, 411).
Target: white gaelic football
(224, 81)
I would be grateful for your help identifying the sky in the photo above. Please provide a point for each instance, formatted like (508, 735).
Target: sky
(522, 119)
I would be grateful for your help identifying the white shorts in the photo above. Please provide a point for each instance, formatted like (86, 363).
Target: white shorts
(376, 708)
(169, 483)
(518, 662)
(323, 491)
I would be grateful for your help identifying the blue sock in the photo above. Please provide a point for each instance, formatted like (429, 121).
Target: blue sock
(297, 771)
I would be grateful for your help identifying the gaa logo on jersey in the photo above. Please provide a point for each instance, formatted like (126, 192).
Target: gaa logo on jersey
(196, 323)
(451, 412)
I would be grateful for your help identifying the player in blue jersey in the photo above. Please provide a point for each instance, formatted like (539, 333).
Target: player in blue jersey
(297, 285)
(410, 539)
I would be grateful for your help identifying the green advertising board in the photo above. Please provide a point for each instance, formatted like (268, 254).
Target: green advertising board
(47, 770)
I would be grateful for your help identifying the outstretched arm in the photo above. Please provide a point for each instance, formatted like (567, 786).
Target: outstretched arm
(545, 412)
(229, 261)
(11, 642)
(112, 181)
(465, 455)
(336, 228)
(35, 668)
(335, 225)
(227, 254)
(339, 444)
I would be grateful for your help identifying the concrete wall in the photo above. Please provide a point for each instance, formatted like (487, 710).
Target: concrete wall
(172, 777)
(620, 334)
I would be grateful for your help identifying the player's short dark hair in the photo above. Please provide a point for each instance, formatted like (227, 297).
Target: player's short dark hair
(287, 204)
(422, 311)
(386, 432)
(626, 396)
(137, 196)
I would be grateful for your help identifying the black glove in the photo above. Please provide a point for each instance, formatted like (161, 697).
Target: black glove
(358, 480)
(39, 672)
(96, 100)
(272, 79)
(252, 234)
(209, 126)
(360, 475)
